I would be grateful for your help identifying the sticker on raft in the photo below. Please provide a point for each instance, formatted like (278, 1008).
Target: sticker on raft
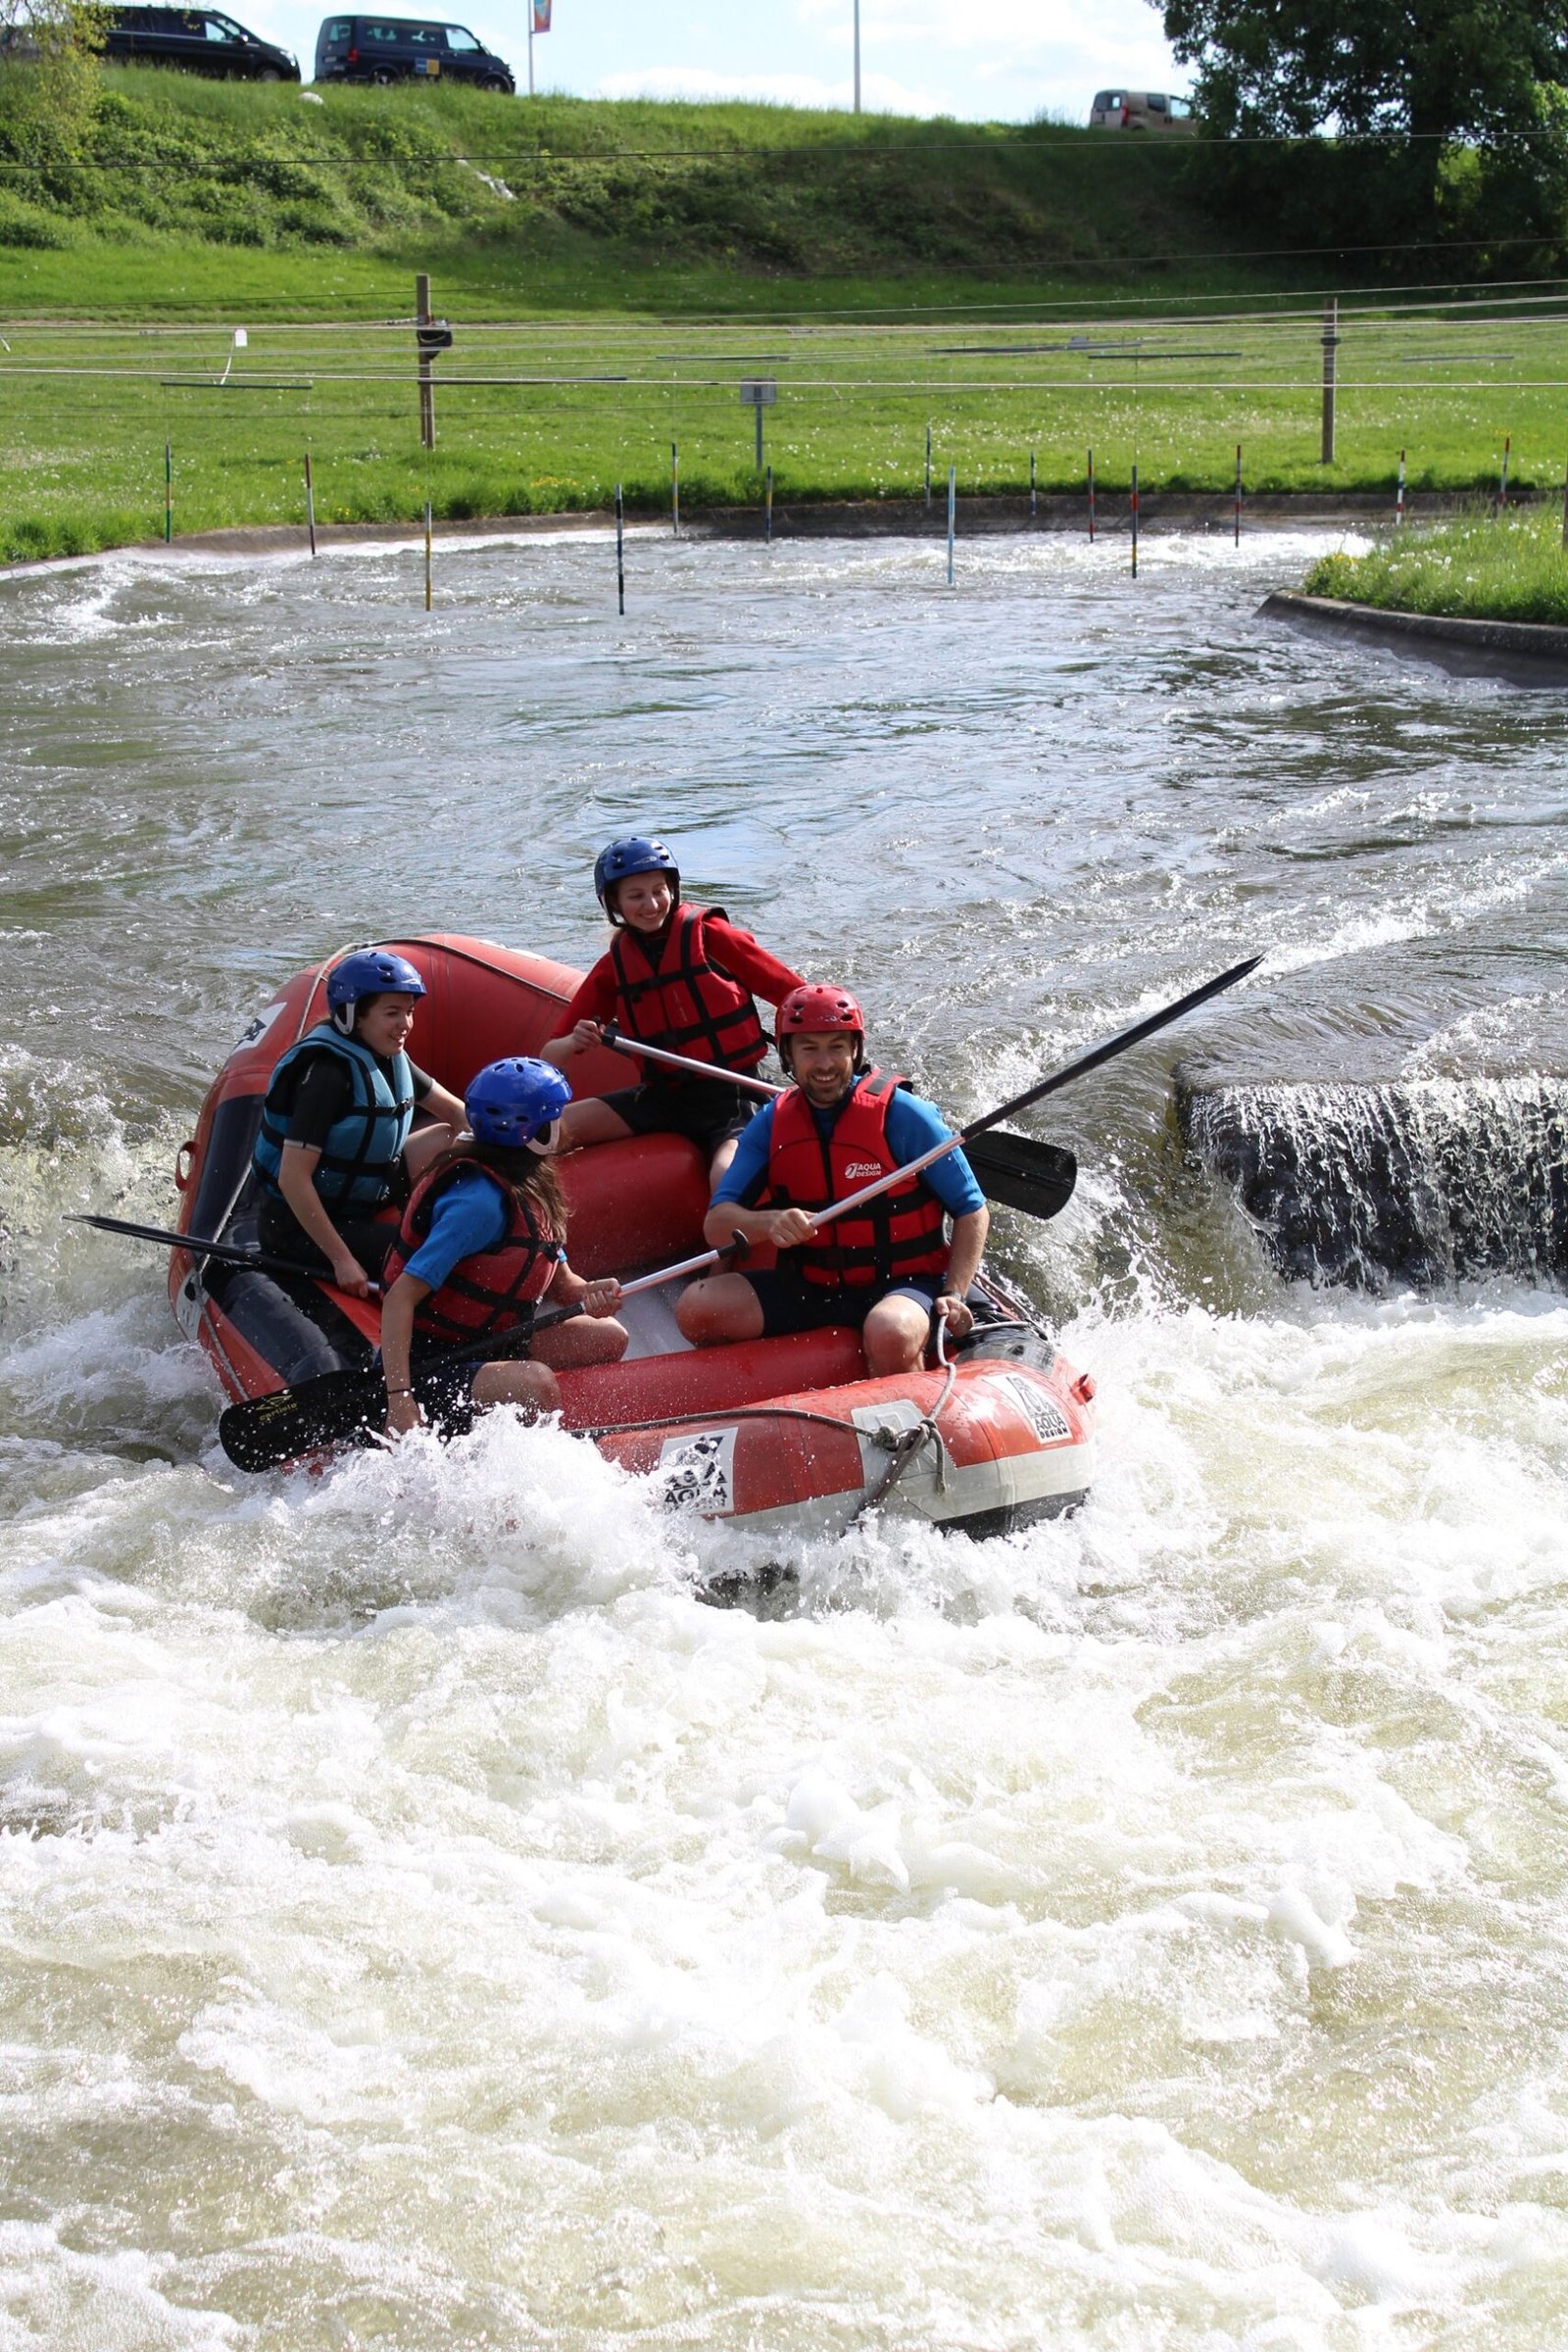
(1047, 1420)
(699, 1472)
(258, 1028)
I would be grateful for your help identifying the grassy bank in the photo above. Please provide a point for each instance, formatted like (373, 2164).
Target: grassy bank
(1514, 568)
(613, 271)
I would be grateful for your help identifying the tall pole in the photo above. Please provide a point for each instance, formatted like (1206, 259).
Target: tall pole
(422, 304)
(1331, 345)
(856, 55)
(530, 48)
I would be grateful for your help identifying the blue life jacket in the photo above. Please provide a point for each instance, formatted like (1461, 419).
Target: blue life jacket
(362, 1147)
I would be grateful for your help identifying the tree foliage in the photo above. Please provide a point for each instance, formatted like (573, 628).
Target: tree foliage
(50, 82)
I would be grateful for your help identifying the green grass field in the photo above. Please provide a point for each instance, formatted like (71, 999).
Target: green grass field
(1511, 568)
(612, 272)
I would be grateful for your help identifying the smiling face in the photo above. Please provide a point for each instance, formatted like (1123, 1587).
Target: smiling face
(384, 1023)
(644, 900)
(822, 1064)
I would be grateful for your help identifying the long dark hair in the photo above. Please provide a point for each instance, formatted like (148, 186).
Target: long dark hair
(531, 1180)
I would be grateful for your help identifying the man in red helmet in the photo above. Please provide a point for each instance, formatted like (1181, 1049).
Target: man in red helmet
(885, 1269)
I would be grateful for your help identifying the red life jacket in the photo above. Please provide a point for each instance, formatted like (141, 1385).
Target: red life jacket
(897, 1235)
(685, 1002)
(493, 1291)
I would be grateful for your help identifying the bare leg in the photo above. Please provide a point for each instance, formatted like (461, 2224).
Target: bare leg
(721, 1160)
(584, 1339)
(894, 1335)
(723, 1308)
(532, 1386)
(591, 1121)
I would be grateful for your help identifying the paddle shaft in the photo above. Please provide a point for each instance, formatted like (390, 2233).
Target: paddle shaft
(226, 1254)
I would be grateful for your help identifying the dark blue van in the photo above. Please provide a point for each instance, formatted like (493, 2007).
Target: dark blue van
(406, 49)
(198, 39)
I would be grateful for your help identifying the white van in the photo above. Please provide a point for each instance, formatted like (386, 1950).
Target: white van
(1139, 110)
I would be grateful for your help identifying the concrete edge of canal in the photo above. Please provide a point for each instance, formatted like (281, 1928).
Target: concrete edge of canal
(1524, 651)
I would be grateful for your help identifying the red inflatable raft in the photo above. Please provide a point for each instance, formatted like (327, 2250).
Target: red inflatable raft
(767, 1433)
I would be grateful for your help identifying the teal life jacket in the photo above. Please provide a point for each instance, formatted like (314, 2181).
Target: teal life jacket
(362, 1147)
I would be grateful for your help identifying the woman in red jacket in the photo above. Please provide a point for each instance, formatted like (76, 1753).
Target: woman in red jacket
(679, 977)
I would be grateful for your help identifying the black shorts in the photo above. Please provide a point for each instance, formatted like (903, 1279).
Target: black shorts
(280, 1233)
(444, 1393)
(790, 1303)
(707, 1111)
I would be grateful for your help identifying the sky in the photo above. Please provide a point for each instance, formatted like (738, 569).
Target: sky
(980, 60)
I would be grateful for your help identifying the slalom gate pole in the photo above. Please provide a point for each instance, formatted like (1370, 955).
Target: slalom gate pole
(952, 516)
(620, 551)
(928, 467)
(1237, 539)
(674, 487)
(1502, 499)
(1091, 498)
(1135, 523)
(428, 581)
(1033, 503)
(1399, 493)
(768, 509)
(310, 503)
(168, 492)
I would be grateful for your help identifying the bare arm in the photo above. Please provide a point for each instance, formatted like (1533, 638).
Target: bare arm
(785, 1228)
(561, 1050)
(296, 1182)
(448, 1109)
(963, 1265)
(396, 1332)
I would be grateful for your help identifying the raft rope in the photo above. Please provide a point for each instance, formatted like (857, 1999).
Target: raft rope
(904, 1445)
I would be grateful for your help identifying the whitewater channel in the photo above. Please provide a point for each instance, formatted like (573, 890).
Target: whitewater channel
(423, 1923)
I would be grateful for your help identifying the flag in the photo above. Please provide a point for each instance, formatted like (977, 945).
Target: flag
(541, 15)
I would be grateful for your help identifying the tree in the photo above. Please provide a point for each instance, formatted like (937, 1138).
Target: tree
(50, 82)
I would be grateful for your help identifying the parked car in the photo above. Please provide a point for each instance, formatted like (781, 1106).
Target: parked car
(197, 39)
(1139, 110)
(406, 49)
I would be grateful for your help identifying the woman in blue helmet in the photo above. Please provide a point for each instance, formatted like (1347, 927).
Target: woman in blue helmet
(335, 1140)
(483, 1242)
(679, 977)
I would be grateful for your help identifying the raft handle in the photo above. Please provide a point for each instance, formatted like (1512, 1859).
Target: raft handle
(184, 1161)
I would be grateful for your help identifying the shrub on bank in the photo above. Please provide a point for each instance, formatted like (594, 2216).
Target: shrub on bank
(1511, 568)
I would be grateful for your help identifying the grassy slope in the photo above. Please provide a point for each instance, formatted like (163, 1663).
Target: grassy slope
(1515, 568)
(886, 242)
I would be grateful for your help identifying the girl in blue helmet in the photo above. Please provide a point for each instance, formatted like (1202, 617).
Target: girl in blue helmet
(680, 977)
(334, 1143)
(481, 1244)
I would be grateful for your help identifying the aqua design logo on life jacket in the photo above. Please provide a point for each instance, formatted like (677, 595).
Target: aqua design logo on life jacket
(863, 1168)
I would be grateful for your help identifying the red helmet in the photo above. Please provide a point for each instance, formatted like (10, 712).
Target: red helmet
(822, 1009)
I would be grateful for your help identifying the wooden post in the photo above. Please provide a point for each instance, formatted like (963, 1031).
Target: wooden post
(620, 551)
(309, 501)
(1135, 523)
(422, 305)
(427, 569)
(168, 492)
(1331, 346)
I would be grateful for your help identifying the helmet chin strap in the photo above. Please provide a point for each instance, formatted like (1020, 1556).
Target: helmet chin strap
(544, 1145)
(342, 1017)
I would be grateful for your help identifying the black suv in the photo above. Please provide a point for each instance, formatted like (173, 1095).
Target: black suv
(197, 39)
(405, 49)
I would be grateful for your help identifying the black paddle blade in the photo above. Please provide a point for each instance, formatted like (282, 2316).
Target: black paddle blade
(1021, 1173)
(336, 1408)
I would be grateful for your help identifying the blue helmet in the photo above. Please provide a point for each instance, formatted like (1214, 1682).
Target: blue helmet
(637, 854)
(516, 1102)
(369, 972)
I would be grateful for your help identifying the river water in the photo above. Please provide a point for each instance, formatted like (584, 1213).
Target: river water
(423, 1924)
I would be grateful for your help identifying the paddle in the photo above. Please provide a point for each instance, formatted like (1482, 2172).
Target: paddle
(225, 1253)
(263, 1432)
(1014, 1170)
